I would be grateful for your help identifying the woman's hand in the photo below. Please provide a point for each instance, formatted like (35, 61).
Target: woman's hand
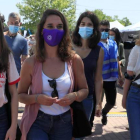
(98, 110)
(121, 81)
(11, 134)
(45, 100)
(67, 99)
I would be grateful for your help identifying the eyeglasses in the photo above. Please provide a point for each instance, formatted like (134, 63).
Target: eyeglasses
(106, 30)
(53, 84)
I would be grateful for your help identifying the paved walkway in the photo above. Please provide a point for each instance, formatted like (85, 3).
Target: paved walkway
(115, 128)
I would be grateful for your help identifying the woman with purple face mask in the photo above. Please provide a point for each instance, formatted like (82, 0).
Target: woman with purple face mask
(49, 76)
(85, 38)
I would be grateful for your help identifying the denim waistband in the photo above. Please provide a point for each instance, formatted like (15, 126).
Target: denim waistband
(135, 85)
(54, 116)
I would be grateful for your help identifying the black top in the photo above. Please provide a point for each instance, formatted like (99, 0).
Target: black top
(90, 64)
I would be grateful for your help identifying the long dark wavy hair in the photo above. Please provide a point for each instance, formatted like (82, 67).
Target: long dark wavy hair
(95, 38)
(64, 49)
(118, 38)
(4, 51)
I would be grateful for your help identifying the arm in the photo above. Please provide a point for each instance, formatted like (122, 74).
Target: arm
(99, 82)
(14, 104)
(121, 55)
(131, 64)
(119, 69)
(11, 133)
(126, 88)
(98, 77)
(24, 52)
(120, 74)
(79, 75)
(23, 57)
(24, 84)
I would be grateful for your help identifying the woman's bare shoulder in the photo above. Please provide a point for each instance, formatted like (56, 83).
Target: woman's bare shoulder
(30, 61)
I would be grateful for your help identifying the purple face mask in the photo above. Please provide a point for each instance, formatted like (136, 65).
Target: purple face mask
(53, 37)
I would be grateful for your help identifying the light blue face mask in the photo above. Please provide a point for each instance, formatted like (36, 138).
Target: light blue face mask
(112, 37)
(13, 29)
(85, 32)
(104, 35)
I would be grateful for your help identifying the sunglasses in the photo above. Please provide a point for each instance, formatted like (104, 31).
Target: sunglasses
(106, 30)
(53, 84)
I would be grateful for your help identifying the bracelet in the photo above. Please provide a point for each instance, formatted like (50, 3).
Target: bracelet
(127, 76)
(36, 98)
(98, 107)
(75, 95)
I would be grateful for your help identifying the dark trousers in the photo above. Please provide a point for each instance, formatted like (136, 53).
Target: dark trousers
(110, 93)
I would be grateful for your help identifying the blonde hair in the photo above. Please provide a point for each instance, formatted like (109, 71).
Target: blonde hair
(138, 42)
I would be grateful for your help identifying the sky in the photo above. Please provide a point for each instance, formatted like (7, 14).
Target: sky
(122, 8)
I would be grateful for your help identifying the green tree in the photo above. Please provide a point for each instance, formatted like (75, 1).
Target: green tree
(125, 21)
(101, 15)
(32, 10)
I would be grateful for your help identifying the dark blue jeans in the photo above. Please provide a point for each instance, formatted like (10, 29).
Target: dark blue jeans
(133, 112)
(3, 123)
(48, 127)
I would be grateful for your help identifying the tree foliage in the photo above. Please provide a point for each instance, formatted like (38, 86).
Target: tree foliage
(102, 16)
(32, 10)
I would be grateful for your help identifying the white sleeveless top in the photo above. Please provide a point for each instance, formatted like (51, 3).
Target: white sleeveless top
(63, 85)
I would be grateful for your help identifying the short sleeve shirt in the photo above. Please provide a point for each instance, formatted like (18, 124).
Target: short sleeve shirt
(134, 62)
(18, 45)
(13, 78)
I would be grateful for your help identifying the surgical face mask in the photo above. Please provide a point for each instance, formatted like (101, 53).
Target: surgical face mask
(53, 37)
(13, 29)
(112, 37)
(104, 35)
(85, 32)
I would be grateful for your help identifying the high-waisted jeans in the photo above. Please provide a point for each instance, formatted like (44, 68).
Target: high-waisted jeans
(3, 123)
(133, 112)
(50, 127)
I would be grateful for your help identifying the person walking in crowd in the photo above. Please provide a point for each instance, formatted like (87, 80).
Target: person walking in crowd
(85, 38)
(7, 70)
(111, 69)
(16, 42)
(5, 28)
(131, 92)
(50, 74)
(31, 45)
(114, 35)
